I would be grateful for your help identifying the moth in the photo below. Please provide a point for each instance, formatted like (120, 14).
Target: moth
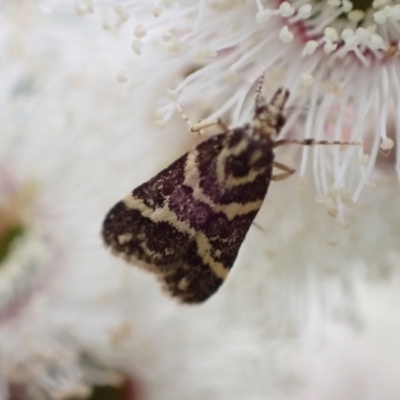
(187, 223)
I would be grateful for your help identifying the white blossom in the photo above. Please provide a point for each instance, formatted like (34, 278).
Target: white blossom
(301, 300)
(347, 60)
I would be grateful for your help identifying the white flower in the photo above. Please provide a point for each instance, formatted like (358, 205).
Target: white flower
(51, 178)
(298, 272)
(339, 62)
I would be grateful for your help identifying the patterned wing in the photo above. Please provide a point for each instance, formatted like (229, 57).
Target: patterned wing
(187, 223)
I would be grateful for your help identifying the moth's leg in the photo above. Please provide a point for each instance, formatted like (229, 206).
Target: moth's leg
(282, 175)
(312, 142)
(208, 123)
(201, 125)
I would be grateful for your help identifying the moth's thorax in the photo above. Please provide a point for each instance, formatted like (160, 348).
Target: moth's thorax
(268, 118)
(245, 155)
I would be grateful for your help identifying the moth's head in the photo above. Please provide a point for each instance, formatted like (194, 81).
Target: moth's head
(269, 118)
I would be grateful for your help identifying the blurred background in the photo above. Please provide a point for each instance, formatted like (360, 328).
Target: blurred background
(310, 310)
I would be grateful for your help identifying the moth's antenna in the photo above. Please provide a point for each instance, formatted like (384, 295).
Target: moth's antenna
(259, 89)
(183, 115)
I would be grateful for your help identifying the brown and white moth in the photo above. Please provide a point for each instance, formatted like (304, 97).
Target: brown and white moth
(187, 223)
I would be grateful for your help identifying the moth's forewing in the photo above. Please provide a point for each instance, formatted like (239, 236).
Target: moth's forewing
(138, 229)
(187, 223)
